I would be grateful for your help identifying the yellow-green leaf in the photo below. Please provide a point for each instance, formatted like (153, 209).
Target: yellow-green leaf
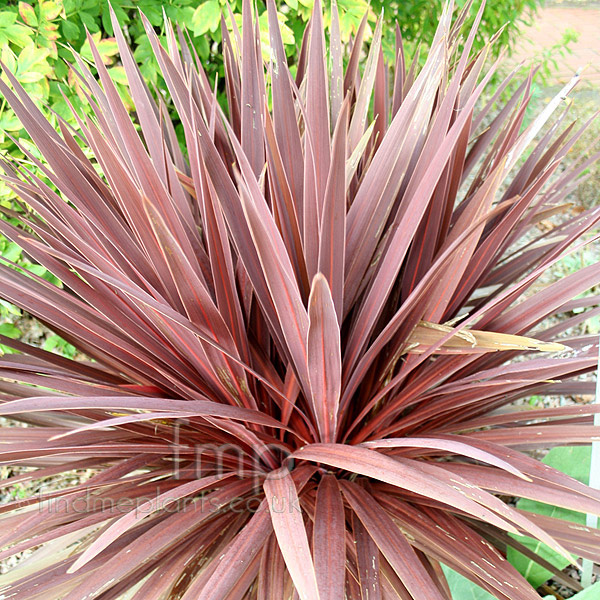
(27, 13)
(206, 17)
(51, 9)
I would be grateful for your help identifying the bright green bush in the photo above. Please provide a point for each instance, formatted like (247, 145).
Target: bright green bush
(417, 22)
(36, 37)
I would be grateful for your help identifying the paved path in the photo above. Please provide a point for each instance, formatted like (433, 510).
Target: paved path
(548, 30)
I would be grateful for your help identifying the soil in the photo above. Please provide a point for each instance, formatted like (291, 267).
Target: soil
(547, 30)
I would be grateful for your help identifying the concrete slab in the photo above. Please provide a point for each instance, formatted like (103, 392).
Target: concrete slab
(548, 30)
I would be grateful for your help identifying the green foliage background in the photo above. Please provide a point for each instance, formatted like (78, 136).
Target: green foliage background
(575, 461)
(38, 37)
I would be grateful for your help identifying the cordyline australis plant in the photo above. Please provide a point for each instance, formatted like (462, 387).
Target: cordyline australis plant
(299, 330)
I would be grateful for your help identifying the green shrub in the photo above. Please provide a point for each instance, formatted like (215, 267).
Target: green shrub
(36, 37)
(418, 25)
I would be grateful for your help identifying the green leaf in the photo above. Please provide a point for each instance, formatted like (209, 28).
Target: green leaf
(61, 71)
(50, 10)
(31, 77)
(18, 34)
(122, 16)
(89, 21)
(90, 5)
(287, 35)
(591, 593)
(30, 56)
(153, 12)
(56, 343)
(293, 4)
(7, 18)
(10, 330)
(107, 47)
(6, 308)
(9, 122)
(27, 13)
(12, 252)
(106, 22)
(574, 461)
(202, 47)
(70, 30)
(206, 17)
(9, 59)
(464, 589)
(37, 270)
(118, 75)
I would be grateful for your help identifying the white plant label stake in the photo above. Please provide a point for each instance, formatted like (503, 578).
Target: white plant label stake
(592, 520)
